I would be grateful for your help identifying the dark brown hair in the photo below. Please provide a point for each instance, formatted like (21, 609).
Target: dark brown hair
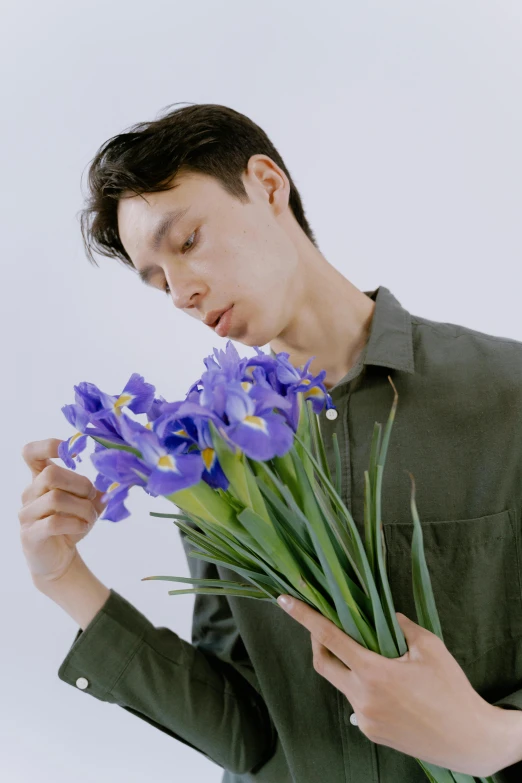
(205, 137)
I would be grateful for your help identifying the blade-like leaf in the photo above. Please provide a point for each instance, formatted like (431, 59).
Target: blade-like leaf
(352, 620)
(387, 602)
(120, 446)
(318, 449)
(280, 584)
(425, 606)
(293, 522)
(215, 591)
(368, 515)
(386, 642)
(270, 543)
(201, 582)
(438, 774)
(256, 502)
(338, 469)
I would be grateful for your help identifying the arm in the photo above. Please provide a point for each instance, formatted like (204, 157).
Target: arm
(506, 722)
(119, 656)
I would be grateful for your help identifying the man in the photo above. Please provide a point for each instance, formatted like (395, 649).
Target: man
(200, 205)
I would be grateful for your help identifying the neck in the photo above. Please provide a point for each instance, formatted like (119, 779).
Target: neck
(330, 319)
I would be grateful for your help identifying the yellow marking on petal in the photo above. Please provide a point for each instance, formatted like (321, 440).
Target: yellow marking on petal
(182, 433)
(257, 422)
(74, 438)
(113, 486)
(249, 370)
(315, 391)
(148, 425)
(208, 457)
(306, 380)
(122, 400)
(246, 385)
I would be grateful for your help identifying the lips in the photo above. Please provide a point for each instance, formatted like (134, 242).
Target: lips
(216, 322)
(213, 317)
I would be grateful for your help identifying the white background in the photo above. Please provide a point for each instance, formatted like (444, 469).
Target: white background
(401, 125)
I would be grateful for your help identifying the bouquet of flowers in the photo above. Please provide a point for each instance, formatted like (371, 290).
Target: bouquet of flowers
(243, 458)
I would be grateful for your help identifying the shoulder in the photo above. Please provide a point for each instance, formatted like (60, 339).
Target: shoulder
(476, 357)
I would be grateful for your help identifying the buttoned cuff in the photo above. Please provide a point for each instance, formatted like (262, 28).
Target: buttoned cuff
(102, 651)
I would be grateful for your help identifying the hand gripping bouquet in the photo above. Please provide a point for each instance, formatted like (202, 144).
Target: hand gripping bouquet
(243, 458)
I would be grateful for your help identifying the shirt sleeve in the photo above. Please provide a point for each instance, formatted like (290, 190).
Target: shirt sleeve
(512, 774)
(203, 694)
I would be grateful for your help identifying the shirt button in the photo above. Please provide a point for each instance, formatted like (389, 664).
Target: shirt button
(331, 414)
(353, 719)
(82, 683)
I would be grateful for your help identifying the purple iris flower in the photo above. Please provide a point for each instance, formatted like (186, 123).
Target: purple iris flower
(253, 426)
(293, 379)
(137, 395)
(252, 401)
(118, 472)
(169, 470)
(76, 443)
(213, 473)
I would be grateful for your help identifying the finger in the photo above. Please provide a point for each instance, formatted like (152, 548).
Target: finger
(331, 668)
(53, 525)
(57, 477)
(352, 654)
(57, 502)
(38, 454)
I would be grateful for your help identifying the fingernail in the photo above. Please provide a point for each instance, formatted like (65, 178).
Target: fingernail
(285, 602)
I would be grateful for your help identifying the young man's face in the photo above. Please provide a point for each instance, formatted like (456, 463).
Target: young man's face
(221, 252)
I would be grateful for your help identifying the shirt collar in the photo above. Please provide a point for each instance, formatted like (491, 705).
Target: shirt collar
(390, 341)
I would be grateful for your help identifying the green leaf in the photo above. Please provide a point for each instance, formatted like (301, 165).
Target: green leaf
(352, 621)
(110, 445)
(269, 541)
(437, 774)
(230, 460)
(292, 521)
(284, 468)
(204, 501)
(215, 591)
(201, 582)
(387, 603)
(319, 450)
(368, 514)
(386, 643)
(280, 584)
(256, 502)
(227, 541)
(389, 424)
(425, 606)
(338, 469)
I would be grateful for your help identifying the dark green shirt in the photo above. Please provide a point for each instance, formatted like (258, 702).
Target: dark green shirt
(244, 693)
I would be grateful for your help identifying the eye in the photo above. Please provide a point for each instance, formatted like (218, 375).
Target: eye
(192, 243)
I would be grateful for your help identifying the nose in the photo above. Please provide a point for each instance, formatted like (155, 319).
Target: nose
(186, 296)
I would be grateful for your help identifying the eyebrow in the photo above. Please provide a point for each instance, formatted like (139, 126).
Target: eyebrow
(159, 232)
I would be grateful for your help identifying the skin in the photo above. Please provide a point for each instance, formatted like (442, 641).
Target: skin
(256, 256)
(286, 294)
(420, 703)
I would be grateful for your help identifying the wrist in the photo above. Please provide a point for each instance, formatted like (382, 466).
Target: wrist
(78, 591)
(505, 731)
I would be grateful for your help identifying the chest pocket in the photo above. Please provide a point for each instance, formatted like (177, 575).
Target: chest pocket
(474, 566)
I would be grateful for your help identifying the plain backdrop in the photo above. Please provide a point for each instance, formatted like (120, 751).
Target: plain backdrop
(401, 125)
